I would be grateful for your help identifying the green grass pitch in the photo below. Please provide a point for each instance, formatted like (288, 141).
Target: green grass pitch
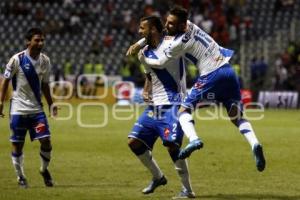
(96, 164)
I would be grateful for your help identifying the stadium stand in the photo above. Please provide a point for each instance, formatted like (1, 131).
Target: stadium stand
(99, 32)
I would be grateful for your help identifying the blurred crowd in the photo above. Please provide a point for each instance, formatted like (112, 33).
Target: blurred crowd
(287, 69)
(226, 21)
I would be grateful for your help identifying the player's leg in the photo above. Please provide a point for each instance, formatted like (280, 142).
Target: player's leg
(198, 92)
(144, 154)
(18, 133)
(39, 130)
(230, 92)
(45, 155)
(187, 123)
(141, 141)
(245, 128)
(181, 167)
(172, 134)
(18, 163)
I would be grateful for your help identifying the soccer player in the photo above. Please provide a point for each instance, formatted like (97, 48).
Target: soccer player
(216, 82)
(165, 87)
(29, 72)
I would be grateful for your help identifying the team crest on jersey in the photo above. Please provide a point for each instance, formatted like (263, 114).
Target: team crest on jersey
(150, 114)
(40, 128)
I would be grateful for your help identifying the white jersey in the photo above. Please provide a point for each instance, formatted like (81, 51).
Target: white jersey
(199, 48)
(24, 99)
(168, 80)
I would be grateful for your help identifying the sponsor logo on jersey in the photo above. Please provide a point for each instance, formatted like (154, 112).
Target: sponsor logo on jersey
(40, 128)
(166, 133)
(26, 66)
(198, 85)
(168, 37)
(219, 58)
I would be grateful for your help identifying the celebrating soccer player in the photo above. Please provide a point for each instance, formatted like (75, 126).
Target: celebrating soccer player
(217, 80)
(167, 85)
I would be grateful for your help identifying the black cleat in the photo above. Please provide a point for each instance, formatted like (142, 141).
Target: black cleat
(22, 182)
(47, 178)
(154, 184)
(259, 157)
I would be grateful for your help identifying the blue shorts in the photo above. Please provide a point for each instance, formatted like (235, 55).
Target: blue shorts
(158, 121)
(37, 125)
(220, 86)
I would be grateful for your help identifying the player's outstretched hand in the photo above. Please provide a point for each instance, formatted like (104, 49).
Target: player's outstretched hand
(133, 49)
(1, 110)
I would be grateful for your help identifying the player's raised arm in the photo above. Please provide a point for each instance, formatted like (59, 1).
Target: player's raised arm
(134, 49)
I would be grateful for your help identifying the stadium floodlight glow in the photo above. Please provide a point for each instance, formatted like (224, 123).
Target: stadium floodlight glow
(60, 105)
(62, 85)
(92, 104)
(87, 86)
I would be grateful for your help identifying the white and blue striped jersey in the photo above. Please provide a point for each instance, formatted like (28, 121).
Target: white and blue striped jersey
(198, 47)
(23, 99)
(168, 80)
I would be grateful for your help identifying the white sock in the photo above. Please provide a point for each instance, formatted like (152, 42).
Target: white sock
(18, 164)
(247, 130)
(187, 125)
(150, 163)
(181, 167)
(45, 159)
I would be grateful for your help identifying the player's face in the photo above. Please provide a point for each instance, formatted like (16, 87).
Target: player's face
(144, 30)
(36, 43)
(172, 25)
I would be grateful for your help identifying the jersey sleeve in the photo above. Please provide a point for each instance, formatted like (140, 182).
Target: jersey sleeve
(46, 75)
(153, 61)
(142, 42)
(11, 68)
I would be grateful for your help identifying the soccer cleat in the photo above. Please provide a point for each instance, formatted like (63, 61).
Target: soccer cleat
(47, 178)
(259, 157)
(184, 194)
(22, 182)
(154, 184)
(192, 146)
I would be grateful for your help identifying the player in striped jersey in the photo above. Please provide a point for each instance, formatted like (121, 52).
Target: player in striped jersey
(159, 119)
(29, 72)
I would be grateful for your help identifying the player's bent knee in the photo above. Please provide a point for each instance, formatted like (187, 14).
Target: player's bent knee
(46, 144)
(235, 114)
(136, 146)
(17, 147)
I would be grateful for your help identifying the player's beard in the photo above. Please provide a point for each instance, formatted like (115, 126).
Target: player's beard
(149, 39)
